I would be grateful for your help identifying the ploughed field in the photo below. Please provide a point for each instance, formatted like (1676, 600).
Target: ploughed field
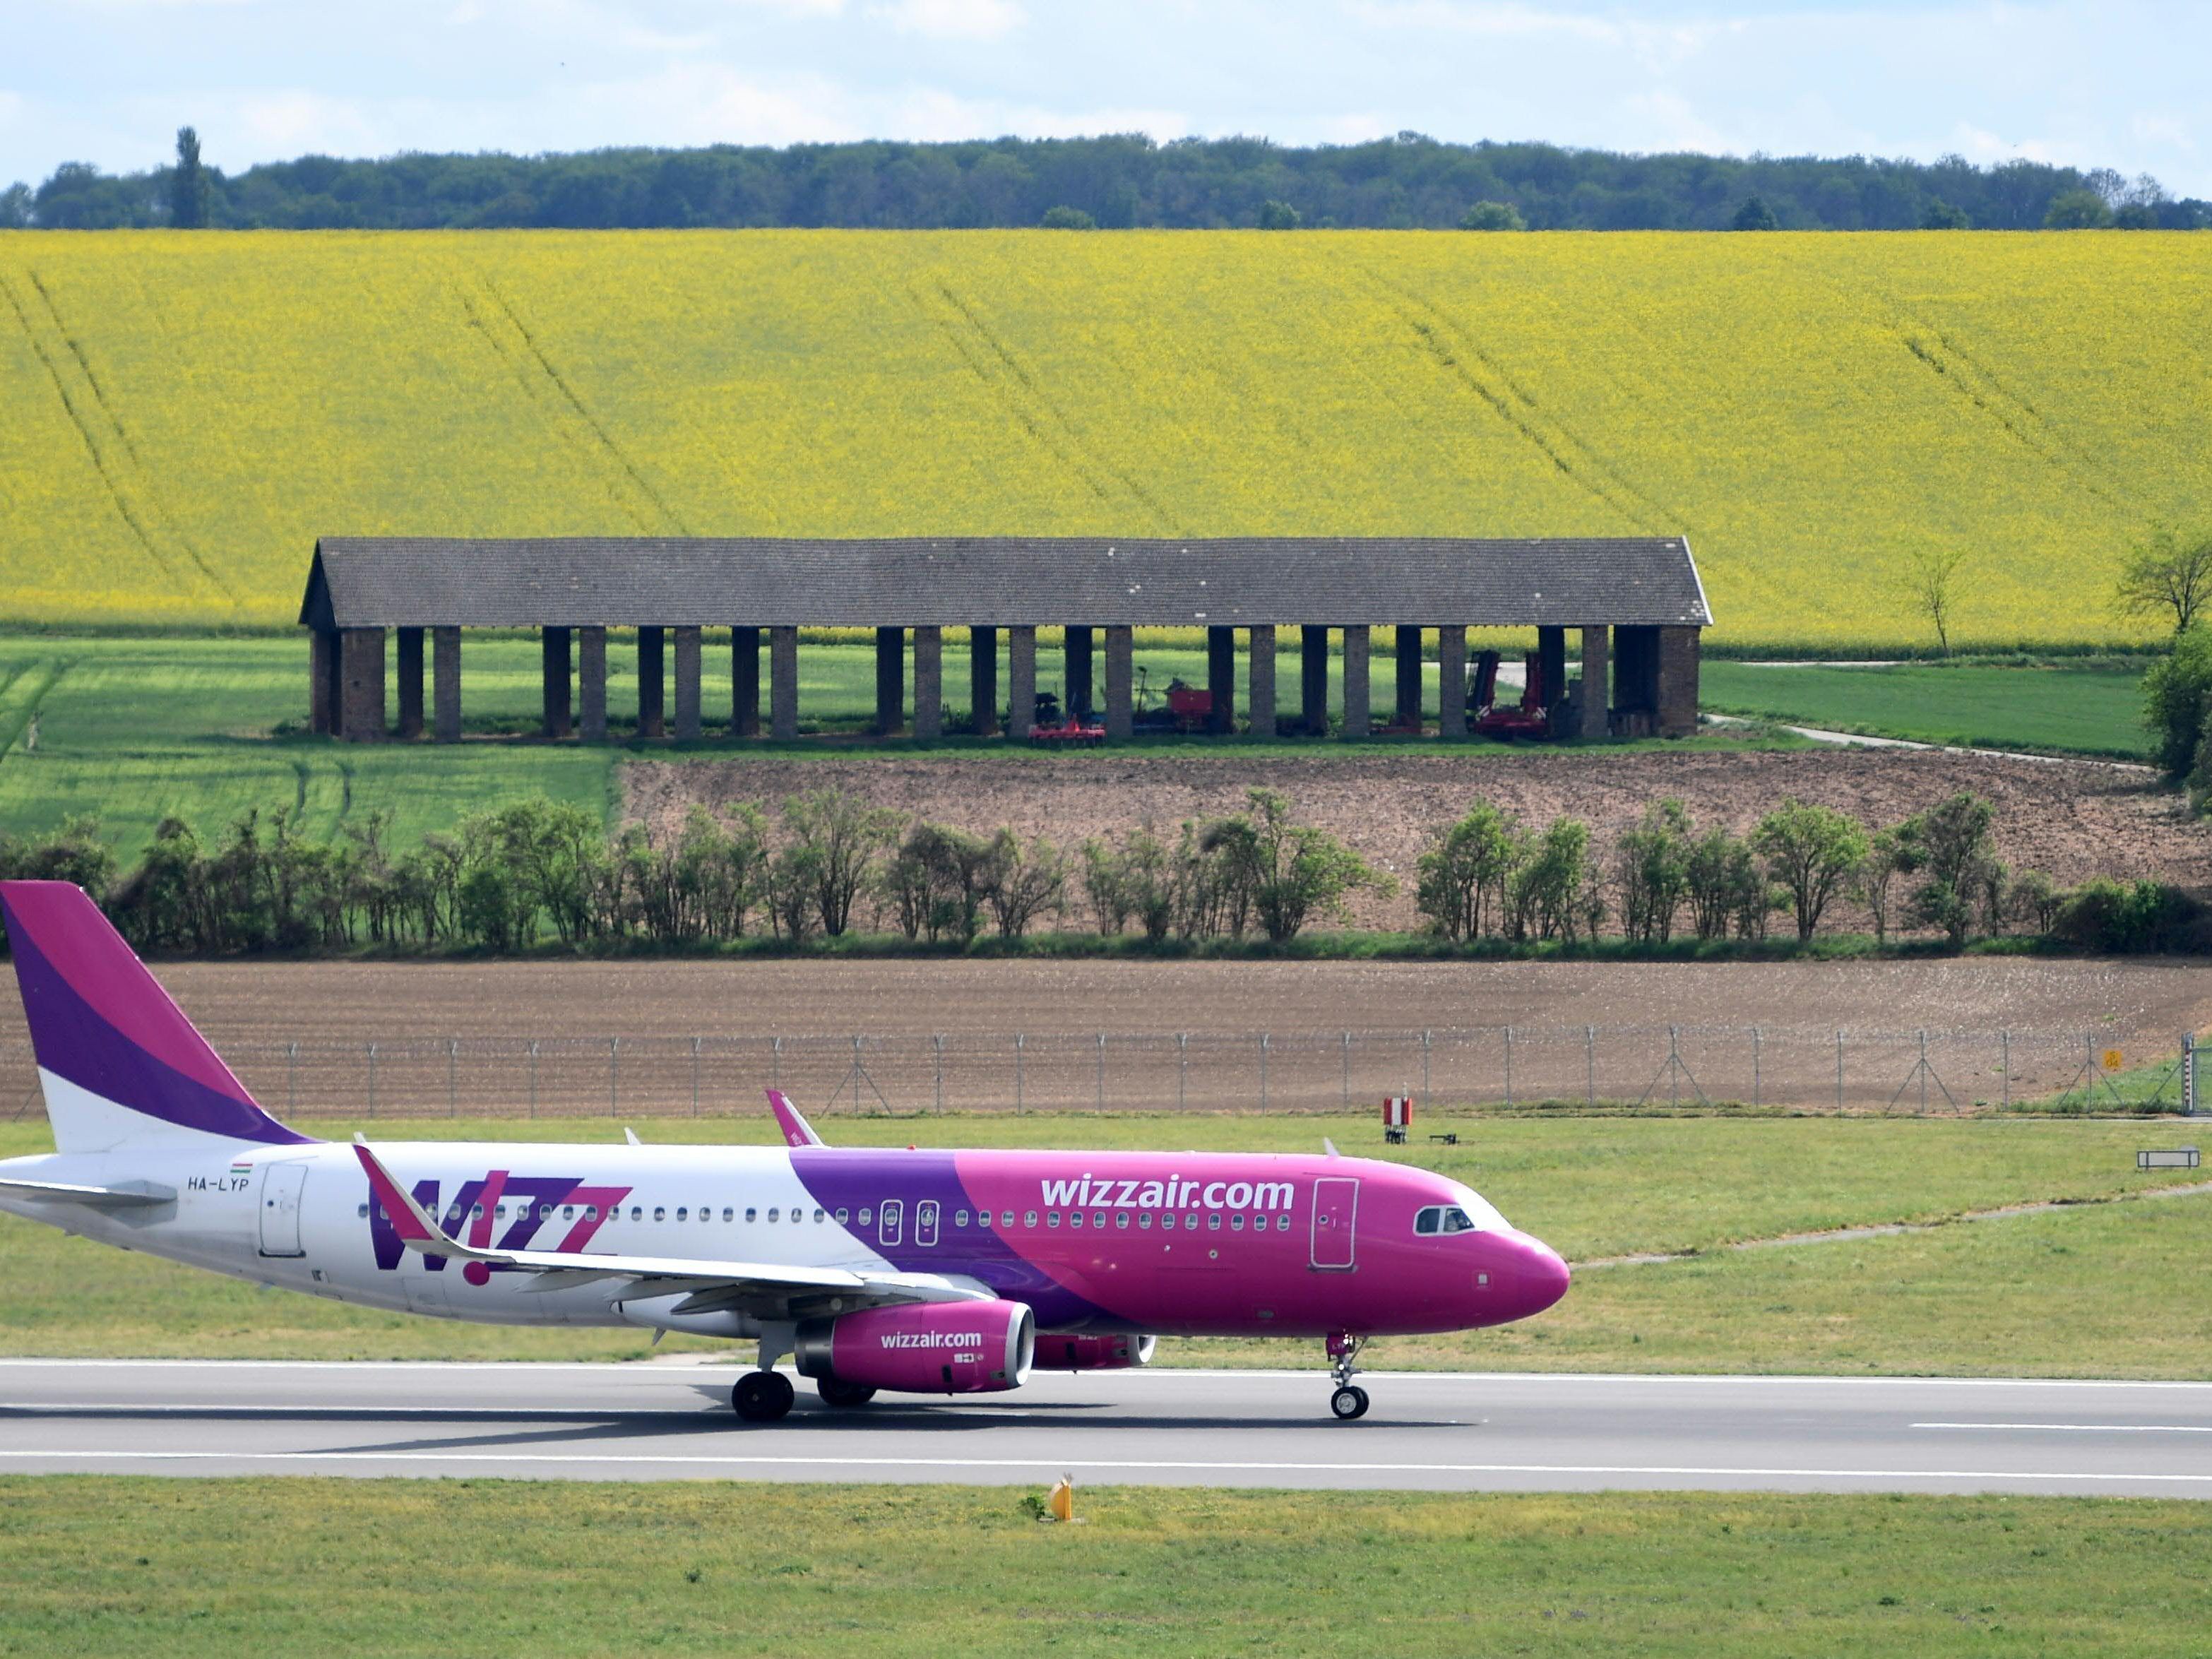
(2070, 818)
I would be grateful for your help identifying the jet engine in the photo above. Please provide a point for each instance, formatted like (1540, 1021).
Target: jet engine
(1056, 1352)
(929, 1348)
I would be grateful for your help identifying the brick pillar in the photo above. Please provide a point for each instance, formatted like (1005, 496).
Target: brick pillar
(928, 684)
(1405, 705)
(1313, 679)
(445, 683)
(984, 680)
(1451, 681)
(687, 684)
(1597, 683)
(783, 684)
(1552, 662)
(744, 682)
(1121, 683)
(360, 684)
(1678, 681)
(1021, 682)
(411, 682)
(1261, 667)
(1077, 652)
(591, 684)
(554, 653)
(322, 680)
(891, 680)
(1358, 714)
(652, 683)
(1221, 680)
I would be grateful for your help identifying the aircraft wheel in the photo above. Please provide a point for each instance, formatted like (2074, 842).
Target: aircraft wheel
(835, 1391)
(1348, 1402)
(761, 1396)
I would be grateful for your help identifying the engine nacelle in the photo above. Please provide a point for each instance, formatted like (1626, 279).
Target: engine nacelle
(928, 1347)
(1056, 1352)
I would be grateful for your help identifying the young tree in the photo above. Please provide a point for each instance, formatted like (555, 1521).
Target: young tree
(1292, 872)
(1651, 867)
(1492, 216)
(1550, 891)
(1462, 876)
(2168, 572)
(1812, 852)
(1874, 883)
(2176, 701)
(1725, 887)
(1940, 214)
(2077, 210)
(188, 186)
(1067, 218)
(1754, 215)
(841, 836)
(1279, 215)
(1932, 584)
(1022, 881)
(1948, 846)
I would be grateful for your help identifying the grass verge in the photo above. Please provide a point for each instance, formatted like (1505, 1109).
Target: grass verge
(105, 1566)
(1968, 1298)
(2090, 707)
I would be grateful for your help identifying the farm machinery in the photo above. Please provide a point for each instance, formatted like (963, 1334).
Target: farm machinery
(1532, 718)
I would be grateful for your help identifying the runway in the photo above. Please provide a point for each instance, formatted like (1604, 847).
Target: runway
(1428, 1430)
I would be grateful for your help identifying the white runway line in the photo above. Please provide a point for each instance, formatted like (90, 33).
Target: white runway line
(723, 1459)
(2083, 1428)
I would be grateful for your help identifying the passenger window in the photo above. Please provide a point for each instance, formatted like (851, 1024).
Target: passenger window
(568, 1212)
(817, 1217)
(775, 1214)
(1190, 1222)
(959, 1218)
(1075, 1217)
(1098, 1217)
(866, 1215)
(1028, 1217)
(591, 1213)
(844, 1216)
(660, 1213)
(1122, 1220)
(1213, 1221)
(637, 1212)
(683, 1214)
(476, 1212)
(752, 1214)
(1052, 1218)
(364, 1212)
(1282, 1223)
(1006, 1217)
(728, 1214)
(1145, 1218)
(1235, 1224)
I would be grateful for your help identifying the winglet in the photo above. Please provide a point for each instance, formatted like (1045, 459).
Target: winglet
(1331, 1146)
(416, 1230)
(797, 1131)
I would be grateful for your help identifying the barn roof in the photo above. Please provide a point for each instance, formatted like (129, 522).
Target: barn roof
(1006, 580)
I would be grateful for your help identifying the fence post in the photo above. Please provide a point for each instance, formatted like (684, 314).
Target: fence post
(614, 1074)
(1509, 1066)
(1425, 1067)
(452, 1085)
(533, 1077)
(1018, 1074)
(2189, 1074)
(1754, 1067)
(1347, 1073)
(1924, 1074)
(775, 1064)
(1263, 1074)
(1839, 1071)
(938, 1043)
(695, 1077)
(291, 1077)
(1101, 1084)
(2004, 1064)
(1589, 1066)
(1183, 1070)
(372, 1080)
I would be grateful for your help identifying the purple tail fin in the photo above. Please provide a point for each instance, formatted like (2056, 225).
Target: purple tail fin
(117, 1058)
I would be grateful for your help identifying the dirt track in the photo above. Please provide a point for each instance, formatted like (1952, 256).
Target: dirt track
(2070, 819)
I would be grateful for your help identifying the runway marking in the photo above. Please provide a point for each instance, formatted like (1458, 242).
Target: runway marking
(2084, 1428)
(725, 1459)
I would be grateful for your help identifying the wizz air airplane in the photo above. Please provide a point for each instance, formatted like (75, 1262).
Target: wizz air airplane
(922, 1272)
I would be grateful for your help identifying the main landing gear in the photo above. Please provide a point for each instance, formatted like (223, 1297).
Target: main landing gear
(1350, 1400)
(761, 1396)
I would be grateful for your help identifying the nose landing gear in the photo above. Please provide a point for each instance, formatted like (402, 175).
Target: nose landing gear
(1350, 1400)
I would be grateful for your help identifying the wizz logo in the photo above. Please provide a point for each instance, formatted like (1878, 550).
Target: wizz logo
(537, 1207)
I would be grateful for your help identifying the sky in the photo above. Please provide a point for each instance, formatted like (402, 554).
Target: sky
(2119, 83)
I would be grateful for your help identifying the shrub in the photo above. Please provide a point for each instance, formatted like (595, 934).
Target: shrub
(1463, 877)
(1492, 216)
(2176, 698)
(1279, 215)
(1949, 846)
(1067, 218)
(1813, 850)
(2122, 917)
(1651, 868)
(1288, 874)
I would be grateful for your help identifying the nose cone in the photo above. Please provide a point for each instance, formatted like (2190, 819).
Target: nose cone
(1537, 1277)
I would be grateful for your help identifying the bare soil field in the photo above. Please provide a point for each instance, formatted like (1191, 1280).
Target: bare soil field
(2071, 819)
(661, 1038)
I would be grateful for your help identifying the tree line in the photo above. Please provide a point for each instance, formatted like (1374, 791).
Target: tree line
(1112, 181)
(827, 864)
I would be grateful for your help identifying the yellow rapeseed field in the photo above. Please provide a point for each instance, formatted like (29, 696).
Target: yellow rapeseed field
(180, 415)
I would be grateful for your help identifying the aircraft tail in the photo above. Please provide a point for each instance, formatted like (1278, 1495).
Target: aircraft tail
(118, 1061)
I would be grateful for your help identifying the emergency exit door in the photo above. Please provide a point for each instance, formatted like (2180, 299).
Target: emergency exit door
(1336, 1220)
(280, 1186)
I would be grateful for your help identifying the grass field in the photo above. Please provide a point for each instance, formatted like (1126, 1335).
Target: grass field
(2087, 709)
(133, 729)
(187, 414)
(1968, 1298)
(465, 1567)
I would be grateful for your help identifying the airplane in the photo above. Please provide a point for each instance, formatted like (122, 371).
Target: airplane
(914, 1270)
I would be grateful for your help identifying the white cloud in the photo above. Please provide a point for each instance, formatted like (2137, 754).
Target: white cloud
(711, 104)
(302, 123)
(951, 20)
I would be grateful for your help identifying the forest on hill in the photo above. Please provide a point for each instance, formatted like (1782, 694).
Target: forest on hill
(1118, 181)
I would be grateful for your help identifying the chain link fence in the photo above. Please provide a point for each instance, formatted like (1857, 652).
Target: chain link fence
(1633, 1066)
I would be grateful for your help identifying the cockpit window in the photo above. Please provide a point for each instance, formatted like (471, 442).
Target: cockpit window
(1442, 1219)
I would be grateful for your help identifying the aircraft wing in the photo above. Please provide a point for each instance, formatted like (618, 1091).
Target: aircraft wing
(130, 1195)
(705, 1283)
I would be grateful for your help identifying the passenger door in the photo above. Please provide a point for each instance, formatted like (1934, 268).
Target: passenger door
(1336, 1220)
(281, 1185)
